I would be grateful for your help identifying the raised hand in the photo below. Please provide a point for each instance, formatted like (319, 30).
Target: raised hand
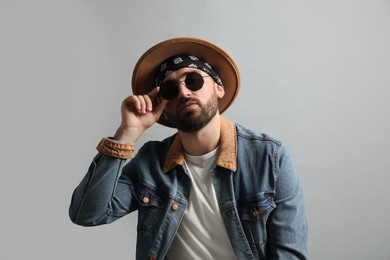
(138, 114)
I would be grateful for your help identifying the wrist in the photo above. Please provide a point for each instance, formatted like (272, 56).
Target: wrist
(127, 135)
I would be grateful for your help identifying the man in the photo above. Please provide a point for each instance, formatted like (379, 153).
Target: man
(214, 190)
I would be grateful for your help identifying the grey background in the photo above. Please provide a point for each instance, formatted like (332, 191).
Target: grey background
(314, 74)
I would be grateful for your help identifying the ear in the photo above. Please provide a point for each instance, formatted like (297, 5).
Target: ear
(220, 91)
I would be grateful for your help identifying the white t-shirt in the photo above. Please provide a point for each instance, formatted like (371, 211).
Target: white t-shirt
(202, 233)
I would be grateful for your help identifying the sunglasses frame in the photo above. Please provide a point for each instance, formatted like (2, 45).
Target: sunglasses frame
(170, 88)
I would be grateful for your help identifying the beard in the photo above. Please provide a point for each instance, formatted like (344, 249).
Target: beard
(191, 121)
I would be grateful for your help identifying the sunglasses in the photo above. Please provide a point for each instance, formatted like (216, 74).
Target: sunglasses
(170, 88)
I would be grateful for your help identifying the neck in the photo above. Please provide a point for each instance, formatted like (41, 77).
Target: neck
(203, 141)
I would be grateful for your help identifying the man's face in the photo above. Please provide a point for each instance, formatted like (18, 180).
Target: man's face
(190, 111)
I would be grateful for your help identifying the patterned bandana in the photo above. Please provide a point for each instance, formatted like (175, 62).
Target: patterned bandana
(185, 61)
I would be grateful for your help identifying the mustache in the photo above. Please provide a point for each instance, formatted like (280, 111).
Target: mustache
(183, 101)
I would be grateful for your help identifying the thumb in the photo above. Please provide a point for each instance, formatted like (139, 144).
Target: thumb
(160, 108)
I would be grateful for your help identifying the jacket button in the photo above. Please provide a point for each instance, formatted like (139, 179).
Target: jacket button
(175, 207)
(145, 200)
(256, 213)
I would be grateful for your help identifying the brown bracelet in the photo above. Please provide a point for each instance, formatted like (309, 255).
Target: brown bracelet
(117, 150)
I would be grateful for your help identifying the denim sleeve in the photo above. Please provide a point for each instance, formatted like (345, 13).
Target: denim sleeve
(102, 197)
(287, 224)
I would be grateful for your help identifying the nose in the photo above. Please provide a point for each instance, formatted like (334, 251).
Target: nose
(182, 90)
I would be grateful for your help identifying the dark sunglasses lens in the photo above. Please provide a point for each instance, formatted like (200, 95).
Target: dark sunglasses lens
(194, 81)
(168, 90)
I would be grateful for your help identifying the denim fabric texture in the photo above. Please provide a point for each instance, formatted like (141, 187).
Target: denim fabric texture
(260, 197)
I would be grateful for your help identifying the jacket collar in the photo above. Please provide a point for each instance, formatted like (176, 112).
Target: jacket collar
(226, 157)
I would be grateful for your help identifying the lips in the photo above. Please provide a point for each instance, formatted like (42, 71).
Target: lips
(187, 104)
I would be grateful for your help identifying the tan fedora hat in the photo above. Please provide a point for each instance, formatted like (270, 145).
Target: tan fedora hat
(143, 80)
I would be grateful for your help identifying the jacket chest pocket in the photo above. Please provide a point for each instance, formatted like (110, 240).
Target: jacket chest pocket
(254, 212)
(151, 204)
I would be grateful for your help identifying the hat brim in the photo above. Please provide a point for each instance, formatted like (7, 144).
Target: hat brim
(145, 69)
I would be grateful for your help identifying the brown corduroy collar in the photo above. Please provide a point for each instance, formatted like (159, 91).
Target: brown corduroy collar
(227, 144)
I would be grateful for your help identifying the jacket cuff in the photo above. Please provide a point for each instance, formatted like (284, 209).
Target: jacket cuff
(115, 149)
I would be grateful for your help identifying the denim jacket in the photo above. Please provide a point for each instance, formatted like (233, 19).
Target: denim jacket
(259, 195)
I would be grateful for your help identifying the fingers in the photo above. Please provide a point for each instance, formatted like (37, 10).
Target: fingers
(154, 92)
(141, 104)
